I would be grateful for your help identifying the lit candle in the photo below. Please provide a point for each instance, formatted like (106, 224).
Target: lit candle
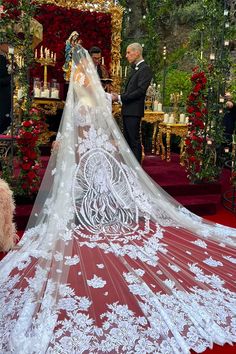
(35, 54)
(102, 60)
(221, 99)
(41, 51)
(212, 56)
(125, 71)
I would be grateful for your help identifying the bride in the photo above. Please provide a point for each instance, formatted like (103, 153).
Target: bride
(109, 262)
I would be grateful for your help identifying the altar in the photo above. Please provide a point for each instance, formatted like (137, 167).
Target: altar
(169, 129)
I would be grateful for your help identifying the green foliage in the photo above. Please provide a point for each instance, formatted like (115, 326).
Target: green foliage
(15, 30)
(176, 81)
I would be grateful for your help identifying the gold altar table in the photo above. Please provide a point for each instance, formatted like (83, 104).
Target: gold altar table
(47, 105)
(170, 129)
(155, 118)
(149, 117)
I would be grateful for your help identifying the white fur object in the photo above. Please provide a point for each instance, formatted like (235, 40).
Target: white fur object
(8, 234)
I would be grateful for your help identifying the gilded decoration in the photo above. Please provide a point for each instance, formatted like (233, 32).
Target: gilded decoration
(116, 12)
(170, 129)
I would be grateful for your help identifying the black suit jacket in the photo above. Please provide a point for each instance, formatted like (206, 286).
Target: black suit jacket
(133, 98)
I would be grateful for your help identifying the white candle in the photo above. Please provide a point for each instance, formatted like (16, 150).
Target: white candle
(125, 71)
(35, 54)
(221, 100)
(102, 60)
(55, 57)
(45, 93)
(37, 92)
(182, 118)
(171, 119)
(155, 106)
(212, 56)
(55, 94)
(20, 93)
(186, 120)
(41, 51)
(166, 118)
(159, 107)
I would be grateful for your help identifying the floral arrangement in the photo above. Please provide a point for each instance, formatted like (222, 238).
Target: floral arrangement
(205, 132)
(28, 141)
(94, 28)
(196, 108)
(10, 10)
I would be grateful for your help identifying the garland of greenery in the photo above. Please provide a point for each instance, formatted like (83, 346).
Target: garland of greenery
(15, 29)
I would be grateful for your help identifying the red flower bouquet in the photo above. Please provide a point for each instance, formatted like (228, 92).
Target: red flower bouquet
(196, 107)
(28, 151)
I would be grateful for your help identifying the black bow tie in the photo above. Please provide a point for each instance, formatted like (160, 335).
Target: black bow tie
(133, 66)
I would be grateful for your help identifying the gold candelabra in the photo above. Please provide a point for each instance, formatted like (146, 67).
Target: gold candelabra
(175, 99)
(46, 58)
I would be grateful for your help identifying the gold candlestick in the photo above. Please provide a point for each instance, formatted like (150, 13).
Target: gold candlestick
(46, 59)
(175, 99)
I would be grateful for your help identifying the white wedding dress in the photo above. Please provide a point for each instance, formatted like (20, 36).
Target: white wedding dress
(109, 262)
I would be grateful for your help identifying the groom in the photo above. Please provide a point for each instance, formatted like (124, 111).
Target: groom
(133, 98)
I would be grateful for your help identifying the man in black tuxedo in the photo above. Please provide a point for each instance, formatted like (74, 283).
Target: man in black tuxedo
(229, 120)
(5, 90)
(133, 98)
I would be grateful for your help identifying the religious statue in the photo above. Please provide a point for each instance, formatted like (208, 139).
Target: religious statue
(72, 40)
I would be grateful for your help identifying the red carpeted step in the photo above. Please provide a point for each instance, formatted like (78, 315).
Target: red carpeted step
(205, 204)
(22, 215)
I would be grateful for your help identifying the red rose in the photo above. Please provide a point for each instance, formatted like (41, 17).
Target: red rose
(192, 159)
(32, 154)
(191, 109)
(31, 175)
(197, 88)
(187, 141)
(27, 123)
(198, 114)
(26, 166)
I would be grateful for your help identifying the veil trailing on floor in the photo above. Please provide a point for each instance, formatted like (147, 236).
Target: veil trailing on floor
(109, 262)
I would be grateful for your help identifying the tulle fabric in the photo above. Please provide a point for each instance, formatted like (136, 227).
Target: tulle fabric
(109, 262)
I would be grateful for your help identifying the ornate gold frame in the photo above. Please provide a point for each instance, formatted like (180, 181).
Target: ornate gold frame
(106, 6)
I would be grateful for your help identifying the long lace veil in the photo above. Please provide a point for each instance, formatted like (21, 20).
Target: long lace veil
(109, 261)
